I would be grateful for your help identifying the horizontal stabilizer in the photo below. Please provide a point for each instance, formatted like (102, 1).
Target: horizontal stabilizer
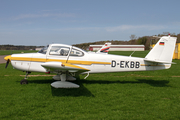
(64, 84)
(154, 61)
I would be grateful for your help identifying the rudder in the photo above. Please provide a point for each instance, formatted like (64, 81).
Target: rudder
(163, 50)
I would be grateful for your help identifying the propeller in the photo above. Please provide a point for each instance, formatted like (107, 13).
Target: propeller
(7, 63)
(8, 59)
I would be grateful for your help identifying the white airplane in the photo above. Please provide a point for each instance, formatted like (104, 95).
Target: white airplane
(65, 61)
(105, 48)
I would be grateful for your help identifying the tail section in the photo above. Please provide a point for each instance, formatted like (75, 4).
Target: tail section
(163, 50)
(105, 48)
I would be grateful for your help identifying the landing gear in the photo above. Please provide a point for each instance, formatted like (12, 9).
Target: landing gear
(24, 81)
(68, 77)
(63, 83)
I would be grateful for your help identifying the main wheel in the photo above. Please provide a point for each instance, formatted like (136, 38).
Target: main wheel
(24, 81)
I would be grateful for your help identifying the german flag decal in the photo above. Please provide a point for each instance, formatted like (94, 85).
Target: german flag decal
(161, 43)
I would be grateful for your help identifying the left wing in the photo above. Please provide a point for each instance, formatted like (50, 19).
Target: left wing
(63, 66)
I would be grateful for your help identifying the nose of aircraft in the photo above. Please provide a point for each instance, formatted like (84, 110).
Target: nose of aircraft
(7, 58)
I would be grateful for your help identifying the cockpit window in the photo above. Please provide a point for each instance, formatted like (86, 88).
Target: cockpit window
(44, 50)
(59, 50)
(77, 53)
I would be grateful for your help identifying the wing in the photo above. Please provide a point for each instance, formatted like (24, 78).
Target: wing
(62, 67)
(59, 66)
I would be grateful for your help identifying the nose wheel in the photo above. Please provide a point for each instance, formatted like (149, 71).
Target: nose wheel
(24, 81)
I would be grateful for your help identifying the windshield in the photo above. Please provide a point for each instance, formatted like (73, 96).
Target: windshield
(44, 50)
(59, 50)
(77, 53)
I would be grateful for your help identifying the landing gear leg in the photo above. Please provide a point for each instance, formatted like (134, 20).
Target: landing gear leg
(63, 77)
(63, 83)
(24, 81)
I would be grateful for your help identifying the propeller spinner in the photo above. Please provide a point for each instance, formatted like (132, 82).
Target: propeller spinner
(8, 59)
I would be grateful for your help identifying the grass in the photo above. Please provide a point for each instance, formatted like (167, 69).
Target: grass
(128, 53)
(128, 95)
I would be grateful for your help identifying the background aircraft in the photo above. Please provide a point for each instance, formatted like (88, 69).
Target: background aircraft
(66, 61)
(105, 48)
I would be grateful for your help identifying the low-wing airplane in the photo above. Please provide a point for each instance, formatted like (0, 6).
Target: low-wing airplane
(65, 60)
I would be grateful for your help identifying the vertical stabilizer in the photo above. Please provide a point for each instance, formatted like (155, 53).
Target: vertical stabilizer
(105, 48)
(163, 50)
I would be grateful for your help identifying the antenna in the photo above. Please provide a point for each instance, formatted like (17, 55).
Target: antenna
(133, 52)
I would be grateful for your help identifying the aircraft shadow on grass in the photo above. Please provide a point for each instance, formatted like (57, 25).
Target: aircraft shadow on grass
(155, 83)
(83, 91)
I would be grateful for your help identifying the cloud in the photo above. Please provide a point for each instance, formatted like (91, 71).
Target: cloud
(79, 29)
(133, 27)
(25, 16)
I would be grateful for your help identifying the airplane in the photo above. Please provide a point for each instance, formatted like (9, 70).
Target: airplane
(66, 61)
(105, 48)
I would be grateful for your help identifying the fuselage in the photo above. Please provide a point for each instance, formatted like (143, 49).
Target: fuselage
(74, 58)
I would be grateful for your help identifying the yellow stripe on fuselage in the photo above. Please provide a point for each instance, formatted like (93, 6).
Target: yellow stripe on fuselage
(58, 60)
(87, 62)
(21, 58)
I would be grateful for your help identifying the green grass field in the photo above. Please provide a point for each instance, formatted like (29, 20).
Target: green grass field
(9, 52)
(128, 95)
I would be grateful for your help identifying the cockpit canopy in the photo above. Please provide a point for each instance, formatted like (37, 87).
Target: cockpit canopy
(62, 50)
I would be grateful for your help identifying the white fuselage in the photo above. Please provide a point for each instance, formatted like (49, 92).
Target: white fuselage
(94, 63)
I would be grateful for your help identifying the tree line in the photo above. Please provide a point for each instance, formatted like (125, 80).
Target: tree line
(134, 40)
(18, 47)
(145, 40)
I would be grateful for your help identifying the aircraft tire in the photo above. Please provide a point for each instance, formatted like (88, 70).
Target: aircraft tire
(24, 81)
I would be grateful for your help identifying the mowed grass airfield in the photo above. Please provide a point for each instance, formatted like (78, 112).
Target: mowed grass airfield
(125, 95)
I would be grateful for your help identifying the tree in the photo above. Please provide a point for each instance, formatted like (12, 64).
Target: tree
(178, 38)
(142, 40)
(166, 33)
(133, 37)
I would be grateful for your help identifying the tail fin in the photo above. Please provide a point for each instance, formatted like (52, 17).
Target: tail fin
(105, 48)
(163, 50)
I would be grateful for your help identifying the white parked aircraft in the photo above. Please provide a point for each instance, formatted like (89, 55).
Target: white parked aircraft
(104, 48)
(65, 60)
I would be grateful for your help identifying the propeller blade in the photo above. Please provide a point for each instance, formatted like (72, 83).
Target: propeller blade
(7, 63)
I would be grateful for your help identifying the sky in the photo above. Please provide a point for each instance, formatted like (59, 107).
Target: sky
(42, 22)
